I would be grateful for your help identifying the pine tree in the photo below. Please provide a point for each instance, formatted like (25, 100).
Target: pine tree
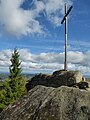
(17, 82)
(14, 87)
(15, 69)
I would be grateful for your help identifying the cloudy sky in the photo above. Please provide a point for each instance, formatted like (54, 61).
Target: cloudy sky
(34, 27)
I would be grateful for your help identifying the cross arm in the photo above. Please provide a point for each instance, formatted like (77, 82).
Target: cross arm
(66, 14)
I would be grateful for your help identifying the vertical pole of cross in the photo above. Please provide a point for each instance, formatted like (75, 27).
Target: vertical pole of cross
(66, 38)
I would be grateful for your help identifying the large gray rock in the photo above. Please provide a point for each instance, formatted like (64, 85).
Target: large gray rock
(57, 79)
(47, 103)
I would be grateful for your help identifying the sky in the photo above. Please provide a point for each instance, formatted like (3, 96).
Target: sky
(34, 27)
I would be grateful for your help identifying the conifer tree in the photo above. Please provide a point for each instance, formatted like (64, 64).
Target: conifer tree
(14, 87)
(15, 69)
(17, 82)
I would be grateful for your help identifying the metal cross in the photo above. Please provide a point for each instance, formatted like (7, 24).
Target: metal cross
(66, 33)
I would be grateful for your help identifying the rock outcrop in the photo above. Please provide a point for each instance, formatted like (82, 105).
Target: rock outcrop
(57, 79)
(48, 103)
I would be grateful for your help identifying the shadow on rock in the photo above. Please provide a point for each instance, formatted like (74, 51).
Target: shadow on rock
(59, 78)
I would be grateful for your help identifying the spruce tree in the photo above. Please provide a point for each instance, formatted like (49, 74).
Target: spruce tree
(15, 69)
(17, 82)
(14, 87)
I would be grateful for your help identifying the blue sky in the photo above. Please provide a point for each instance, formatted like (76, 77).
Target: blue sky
(34, 28)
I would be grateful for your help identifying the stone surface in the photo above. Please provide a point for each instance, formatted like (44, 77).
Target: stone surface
(83, 85)
(47, 103)
(57, 79)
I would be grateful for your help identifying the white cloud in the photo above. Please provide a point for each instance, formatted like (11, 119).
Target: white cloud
(55, 10)
(17, 21)
(47, 62)
(26, 56)
(5, 55)
(75, 57)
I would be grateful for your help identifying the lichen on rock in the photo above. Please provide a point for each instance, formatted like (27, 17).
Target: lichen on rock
(48, 103)
(64, 95)
(57, 79)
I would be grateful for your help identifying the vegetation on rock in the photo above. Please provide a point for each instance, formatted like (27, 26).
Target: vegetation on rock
(48, 103)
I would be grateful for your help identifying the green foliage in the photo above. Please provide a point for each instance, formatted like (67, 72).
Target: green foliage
(14, 87)
(15, 69)
(17, 82)
(6, 95)
(2, 99)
